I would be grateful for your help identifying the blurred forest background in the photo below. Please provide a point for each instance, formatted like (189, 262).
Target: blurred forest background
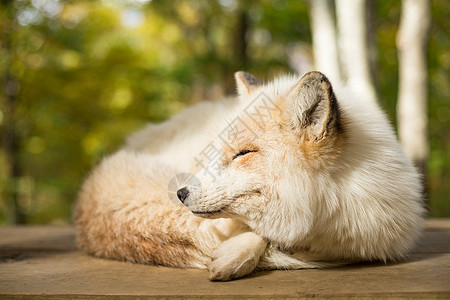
(78, 76)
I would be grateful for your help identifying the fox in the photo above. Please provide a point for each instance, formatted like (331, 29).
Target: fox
(293, 173)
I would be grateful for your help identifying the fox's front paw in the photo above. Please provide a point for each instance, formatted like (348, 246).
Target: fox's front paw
(228, 266)
(236, 257)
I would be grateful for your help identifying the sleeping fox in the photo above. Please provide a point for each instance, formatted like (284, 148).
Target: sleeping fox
(290, 174)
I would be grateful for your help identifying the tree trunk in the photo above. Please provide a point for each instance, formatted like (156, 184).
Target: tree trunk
(8, 97)
(412, 40)
(371, 37)
(352, 30)
(239, 58)
(324, 38)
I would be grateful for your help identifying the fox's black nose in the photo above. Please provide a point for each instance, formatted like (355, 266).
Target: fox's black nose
(182, 194)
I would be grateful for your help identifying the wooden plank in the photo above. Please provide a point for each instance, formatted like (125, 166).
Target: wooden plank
(38, 262)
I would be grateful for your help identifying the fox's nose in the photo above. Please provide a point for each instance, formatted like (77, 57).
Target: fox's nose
(182, 194)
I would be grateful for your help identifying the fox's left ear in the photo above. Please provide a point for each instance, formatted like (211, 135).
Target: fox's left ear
(246, 83)
(312, 108)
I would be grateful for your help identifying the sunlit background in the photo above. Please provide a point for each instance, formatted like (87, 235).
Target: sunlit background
(78, 76)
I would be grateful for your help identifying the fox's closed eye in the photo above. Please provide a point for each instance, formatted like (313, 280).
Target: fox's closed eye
(242, 152)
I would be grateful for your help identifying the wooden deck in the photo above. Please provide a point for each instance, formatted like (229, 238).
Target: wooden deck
(43, 262)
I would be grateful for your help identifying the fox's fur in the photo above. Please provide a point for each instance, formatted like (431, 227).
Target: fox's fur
(321, 181)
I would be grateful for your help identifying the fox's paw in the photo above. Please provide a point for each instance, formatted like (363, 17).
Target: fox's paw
(236, 257)
(231, 265)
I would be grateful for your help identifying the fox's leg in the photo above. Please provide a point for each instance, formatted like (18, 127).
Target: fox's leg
(237, 256)
(247, 251)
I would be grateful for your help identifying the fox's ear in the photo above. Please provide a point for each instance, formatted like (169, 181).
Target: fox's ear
(246, 83)
(312, 108)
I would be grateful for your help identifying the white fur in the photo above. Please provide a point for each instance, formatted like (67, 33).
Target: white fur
(285, 213)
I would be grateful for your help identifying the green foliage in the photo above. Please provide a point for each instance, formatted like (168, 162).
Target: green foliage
(84, 74)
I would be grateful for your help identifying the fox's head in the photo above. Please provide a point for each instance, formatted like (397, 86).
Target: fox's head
(286, 137)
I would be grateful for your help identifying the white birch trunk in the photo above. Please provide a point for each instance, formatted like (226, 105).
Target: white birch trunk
(412, 96)
(324, 39)
(352, 30)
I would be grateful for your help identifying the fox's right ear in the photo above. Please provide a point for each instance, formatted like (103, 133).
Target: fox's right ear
(246, 83)
(313, 110)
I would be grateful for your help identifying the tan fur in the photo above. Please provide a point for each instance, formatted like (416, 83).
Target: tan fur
(126, 216)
